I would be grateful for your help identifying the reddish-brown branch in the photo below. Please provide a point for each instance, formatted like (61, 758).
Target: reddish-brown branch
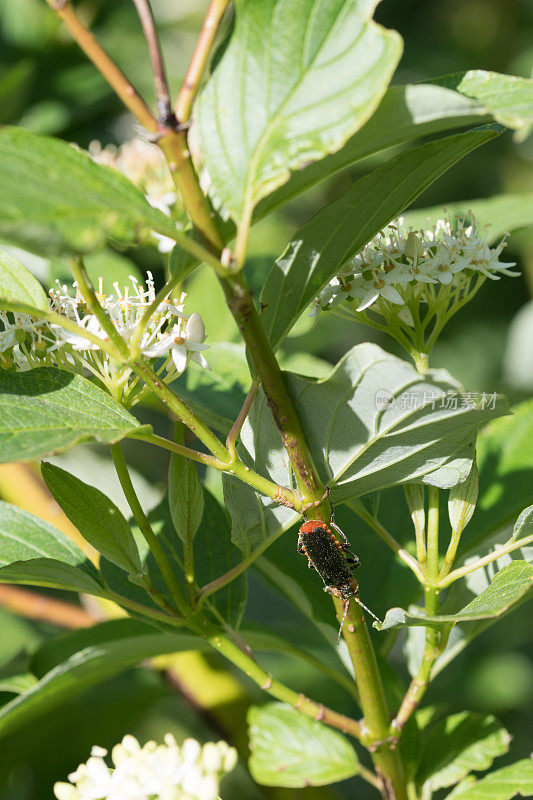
(164, 107)
(104, 63)
(191, 83)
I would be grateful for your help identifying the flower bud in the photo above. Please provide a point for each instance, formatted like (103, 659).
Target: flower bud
(413, 247)
(195, 330)
(211, 757)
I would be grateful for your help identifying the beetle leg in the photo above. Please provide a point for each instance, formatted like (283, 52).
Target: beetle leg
(339, 531)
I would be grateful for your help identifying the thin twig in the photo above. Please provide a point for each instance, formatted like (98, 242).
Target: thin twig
(162, 93)
(188, 91)
(239, 422)
(104, 63)
(482, 562)
(174, 447)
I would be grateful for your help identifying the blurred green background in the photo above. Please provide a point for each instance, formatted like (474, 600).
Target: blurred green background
(47, 85)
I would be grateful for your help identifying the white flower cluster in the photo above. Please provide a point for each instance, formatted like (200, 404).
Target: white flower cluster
(152, 772)
(145, 165)
(399, 265)
(27, 342)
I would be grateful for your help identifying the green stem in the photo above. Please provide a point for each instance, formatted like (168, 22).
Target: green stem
(236, 467)
(138, 608)
(174, 447)
(175, 147)
(378, 735)
(182, 411)
(89, 295)
(235, 431)
(481, 562)
(241, 305)
(146, 529)
(251, 668)
(435, 641)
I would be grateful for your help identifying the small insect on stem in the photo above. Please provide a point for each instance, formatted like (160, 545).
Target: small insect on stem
(333, 561)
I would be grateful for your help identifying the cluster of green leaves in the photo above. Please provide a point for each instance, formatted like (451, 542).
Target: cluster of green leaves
(281, 112)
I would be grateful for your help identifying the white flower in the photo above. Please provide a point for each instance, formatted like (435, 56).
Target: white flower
(446, 255)
(76, 340)
(163, 772)
(168, 331)
(380, 284)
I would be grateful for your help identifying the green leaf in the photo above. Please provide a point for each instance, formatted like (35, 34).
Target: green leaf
(24, 537)
(52, 574)
(503, 212)
(342, 228)
(457, 745)
(33, 552)
(47, 410)
(214, 555)
(291, 750)
(419, 109)
(358, 445)
(516, 780)
(17, 284)
(185, 497)
(84, 660)
(295, 81)
(97, 518)
(507, 97)
(507, 588)
(523, 525)
(43, 209)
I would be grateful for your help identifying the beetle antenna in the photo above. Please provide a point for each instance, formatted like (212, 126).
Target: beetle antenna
(345, 606)
(367, 609)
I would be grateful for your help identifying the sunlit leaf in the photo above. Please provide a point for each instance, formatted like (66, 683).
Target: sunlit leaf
(507, 588)
(95, 516)
(291, 750)
(418, 109)
(296, 80)
(373, 422)
(457, 745)
(17, 284)
(516, 780)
